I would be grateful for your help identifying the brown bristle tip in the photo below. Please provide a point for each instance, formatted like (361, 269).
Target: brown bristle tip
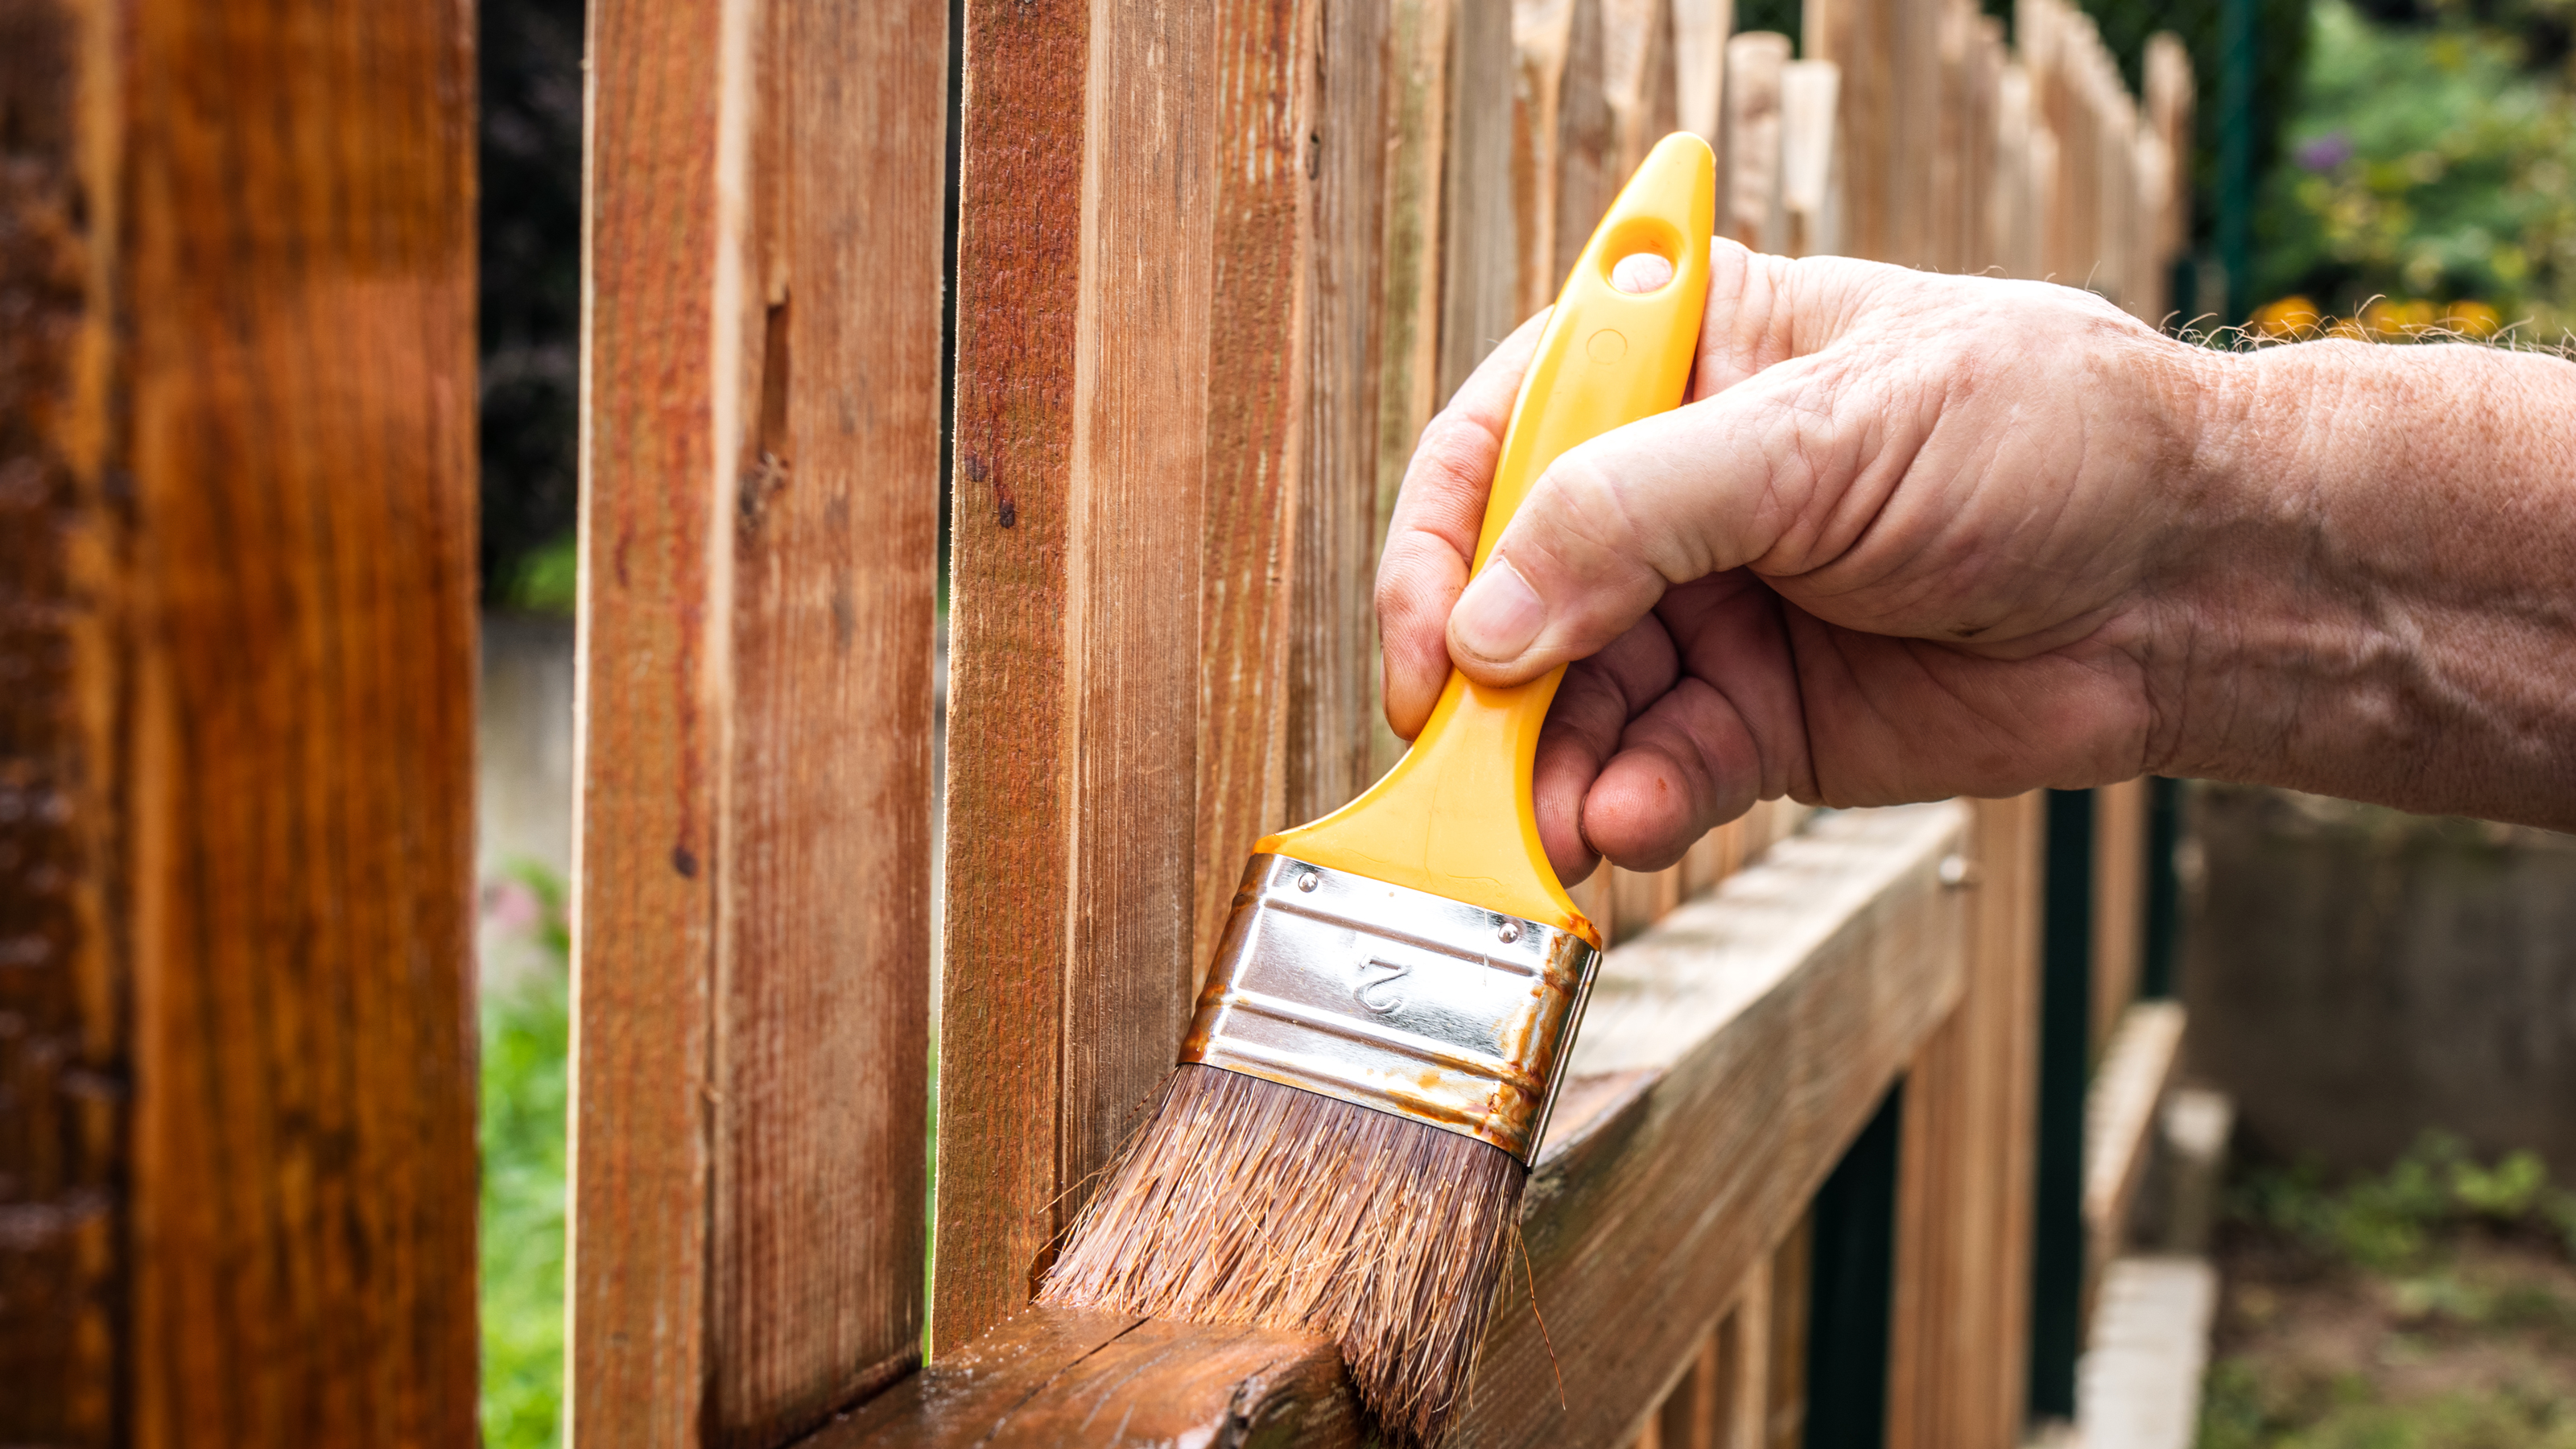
(1243, 1201)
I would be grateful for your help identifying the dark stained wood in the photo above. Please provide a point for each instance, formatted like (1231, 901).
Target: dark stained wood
(1088, 195)
(237, 491)
(1047, 1377)
(760, 547)
(1964, 1201)
(63, 971)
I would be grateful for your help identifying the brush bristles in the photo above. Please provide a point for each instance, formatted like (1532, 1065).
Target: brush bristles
(1242, 1201)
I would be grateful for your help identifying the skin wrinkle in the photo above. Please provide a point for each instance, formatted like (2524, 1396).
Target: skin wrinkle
(2329, 566)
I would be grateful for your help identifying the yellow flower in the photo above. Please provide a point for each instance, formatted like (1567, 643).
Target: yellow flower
(2474, 319)
(2292, 316)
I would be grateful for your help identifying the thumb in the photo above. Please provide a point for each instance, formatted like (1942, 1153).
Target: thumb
(1710, 486)
(1743, 478)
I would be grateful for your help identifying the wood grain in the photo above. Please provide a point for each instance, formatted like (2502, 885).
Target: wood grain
(1543, 39)
(1260, 318)
(1811, 174)
(292, 440)
(1638, 81)
(760, 553)
(2119, 902)
(1586, 150)
(1783, 1421)
(2121, 1110)
(1754, 213)
(1740, 1046)
(1081, 428)
(1700, 29)
(1482, 230)
(1962, 1289)
(64, 589)
(1048, 1377)
(1333, 708)
(1859, 37)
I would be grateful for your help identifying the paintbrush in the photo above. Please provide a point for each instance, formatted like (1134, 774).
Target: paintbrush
(1383, 1031)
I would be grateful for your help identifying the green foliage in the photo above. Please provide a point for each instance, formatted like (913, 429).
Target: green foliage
(2428, 162)
(526, 1081)
(2243, 1409)
(547, 579)
(2387, 1224)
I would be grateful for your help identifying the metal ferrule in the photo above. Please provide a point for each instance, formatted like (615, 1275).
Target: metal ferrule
(1393, 999)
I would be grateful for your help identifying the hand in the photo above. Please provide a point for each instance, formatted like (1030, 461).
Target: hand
(1907, 539)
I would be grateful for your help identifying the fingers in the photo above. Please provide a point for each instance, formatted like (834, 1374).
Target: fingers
(1431, 537)
(1646, 753)
(1708, 487)
(1711, 486)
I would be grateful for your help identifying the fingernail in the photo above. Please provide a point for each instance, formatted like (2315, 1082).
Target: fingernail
(1499, 615)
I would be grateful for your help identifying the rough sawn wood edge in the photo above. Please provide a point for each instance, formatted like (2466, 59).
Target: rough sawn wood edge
(1811, 977)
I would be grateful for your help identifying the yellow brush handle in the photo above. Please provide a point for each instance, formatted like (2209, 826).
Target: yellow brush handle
(1454, 817)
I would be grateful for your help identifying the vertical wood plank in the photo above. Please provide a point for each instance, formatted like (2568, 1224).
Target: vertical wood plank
(64, 590)
(1332, 705)
(1753, 213)
(1638, 80)
(2119, 901)
(1485, 227)
(823, 934)
(1811, 176)
(760, 552)
(1543, 39)
(1587, 147)
(1747, 1350)
(1962, 1289)
(1259, 321)
(289, 463)
(1700, 29)
(1859, 37)
(1082, 394)
(1784, 1340)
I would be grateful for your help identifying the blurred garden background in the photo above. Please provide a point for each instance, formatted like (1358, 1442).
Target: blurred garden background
(2392, 1001)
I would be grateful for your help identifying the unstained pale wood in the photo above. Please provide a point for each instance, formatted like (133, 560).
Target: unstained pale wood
(760, 553)
(1962, 1278)
(2121, 1111)
(1333, 705)
(1088, 199)
(2119, 902)
(1485, 232)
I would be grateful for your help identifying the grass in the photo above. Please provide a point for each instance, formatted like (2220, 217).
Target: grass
(2432, 1307)
(526, 1081)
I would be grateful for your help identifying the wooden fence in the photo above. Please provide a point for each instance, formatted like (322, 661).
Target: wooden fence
(1212, 268)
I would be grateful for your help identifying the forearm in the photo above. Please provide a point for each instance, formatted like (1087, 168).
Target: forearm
(2381, 602)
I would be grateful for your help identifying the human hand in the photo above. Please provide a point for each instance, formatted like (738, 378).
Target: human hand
(1911, 536)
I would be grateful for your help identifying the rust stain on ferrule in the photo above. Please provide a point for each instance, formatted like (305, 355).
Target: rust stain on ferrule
(1393, 999)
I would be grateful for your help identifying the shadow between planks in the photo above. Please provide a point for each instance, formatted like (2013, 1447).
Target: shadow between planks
(1729, 1055)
